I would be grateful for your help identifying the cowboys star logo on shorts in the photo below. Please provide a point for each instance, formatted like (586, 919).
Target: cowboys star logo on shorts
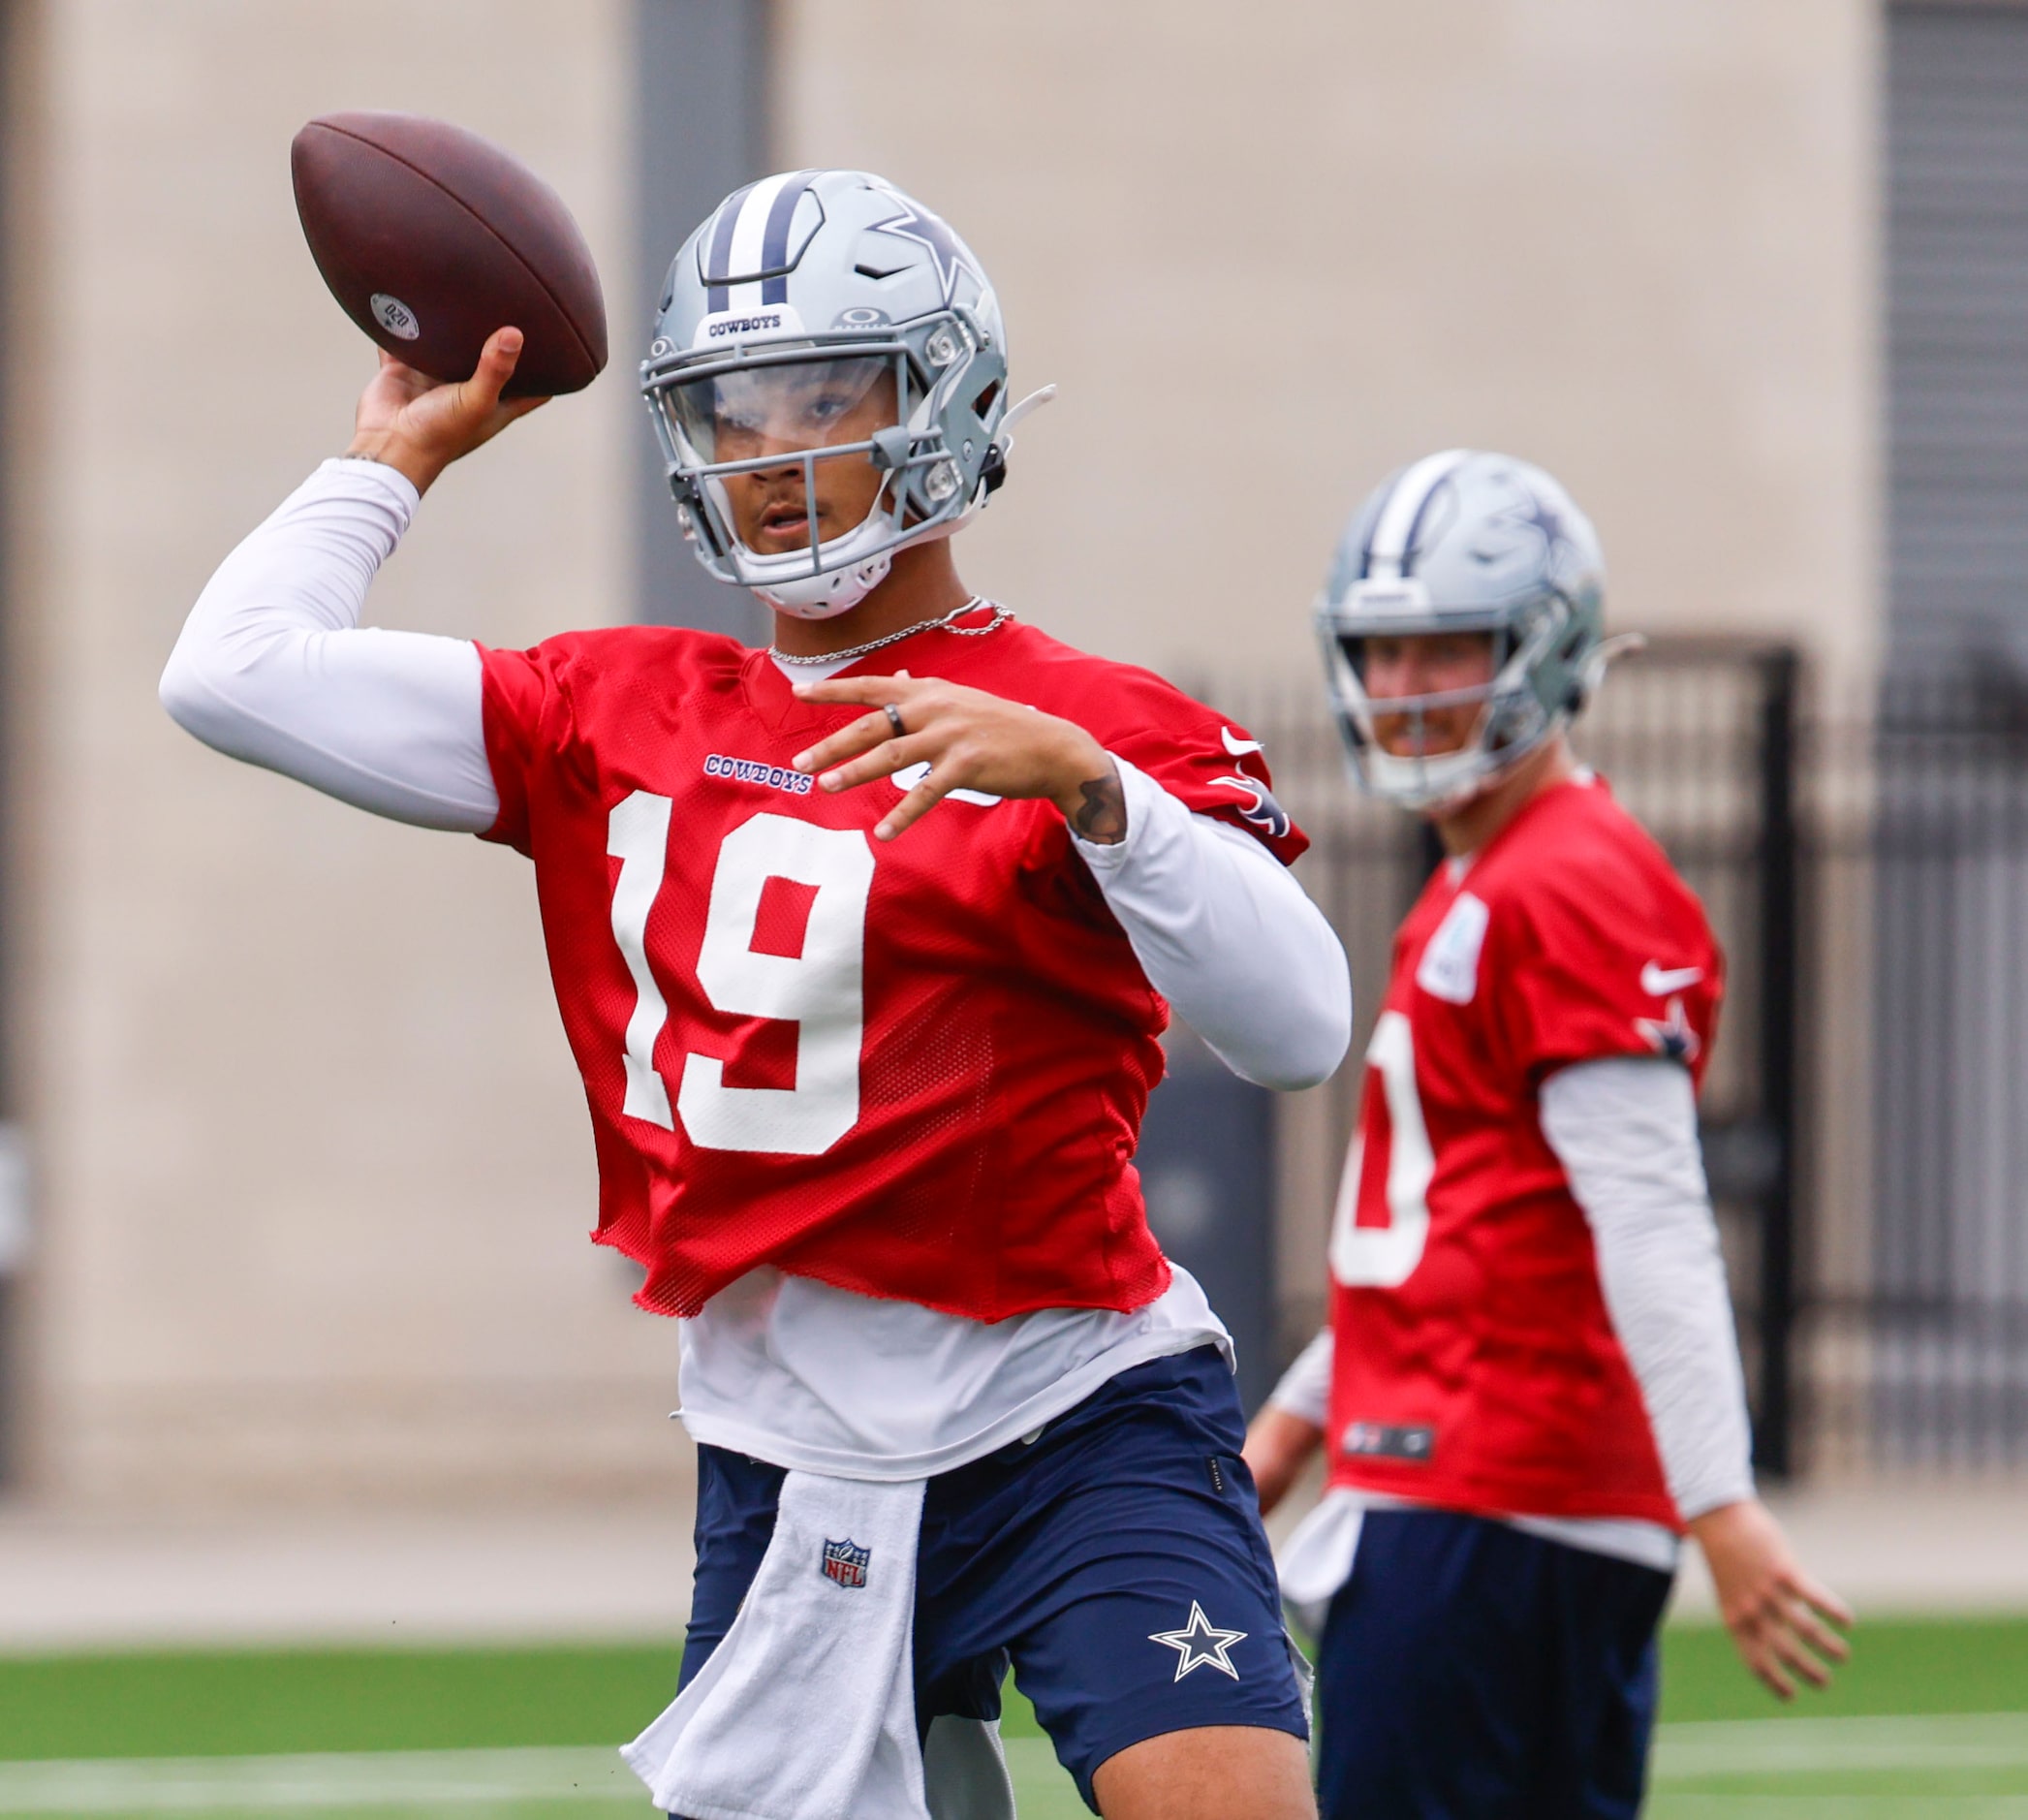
(846, 1562)
(1201, 1644)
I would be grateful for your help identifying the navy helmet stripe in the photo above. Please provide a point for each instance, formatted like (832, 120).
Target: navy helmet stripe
(1414, 525)
(774, 245)
(1391, 539)
(718, 259)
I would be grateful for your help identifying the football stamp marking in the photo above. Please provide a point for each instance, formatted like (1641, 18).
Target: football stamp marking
(395, 316)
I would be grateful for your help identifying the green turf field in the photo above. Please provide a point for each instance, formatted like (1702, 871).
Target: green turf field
(1930, 1720)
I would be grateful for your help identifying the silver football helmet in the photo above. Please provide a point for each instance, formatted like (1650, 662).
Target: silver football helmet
(818, 318)
(1464, 542)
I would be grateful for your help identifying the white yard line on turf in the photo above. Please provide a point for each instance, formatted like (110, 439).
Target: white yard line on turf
(351, 1779)
(1954, 1740)
(392, 1779)
(1837, 1807)
(476, 1778)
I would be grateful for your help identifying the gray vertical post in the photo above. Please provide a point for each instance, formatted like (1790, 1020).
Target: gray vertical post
(1780, 921)
(702, 76)
(1207, 1163)
(15, 1232)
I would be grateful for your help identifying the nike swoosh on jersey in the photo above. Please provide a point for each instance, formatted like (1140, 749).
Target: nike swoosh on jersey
(1237, 746)
(1659, 982)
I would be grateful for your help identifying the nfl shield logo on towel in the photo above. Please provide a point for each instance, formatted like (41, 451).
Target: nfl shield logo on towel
(846, 1562)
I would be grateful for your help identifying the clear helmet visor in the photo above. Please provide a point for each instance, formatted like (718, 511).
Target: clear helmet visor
(752, 413)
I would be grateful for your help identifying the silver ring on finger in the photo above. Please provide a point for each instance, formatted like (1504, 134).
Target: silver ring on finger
(893, 714)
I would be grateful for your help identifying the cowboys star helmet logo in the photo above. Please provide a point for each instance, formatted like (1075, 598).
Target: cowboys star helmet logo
(946, 252)
(1537, 513)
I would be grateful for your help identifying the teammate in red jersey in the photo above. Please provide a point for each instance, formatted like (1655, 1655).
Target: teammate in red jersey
(864, 944)
(1530, 1383)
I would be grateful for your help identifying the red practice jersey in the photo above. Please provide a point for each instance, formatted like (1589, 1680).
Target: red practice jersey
(1475, 1367)
(913, 1068)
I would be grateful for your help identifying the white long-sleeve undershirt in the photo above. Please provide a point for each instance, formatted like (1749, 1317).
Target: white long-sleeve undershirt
(1625, 1131)
(274, 668)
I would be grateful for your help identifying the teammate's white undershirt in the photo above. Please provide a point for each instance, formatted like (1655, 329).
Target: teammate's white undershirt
(1625, 1131)
(274, 668)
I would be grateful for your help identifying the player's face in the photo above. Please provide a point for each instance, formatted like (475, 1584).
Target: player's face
(788, 411)
(1429, 663)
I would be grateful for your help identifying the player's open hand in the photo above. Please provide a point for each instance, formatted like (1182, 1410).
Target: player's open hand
(1779, 1616)
(970, 740)
(420, 425)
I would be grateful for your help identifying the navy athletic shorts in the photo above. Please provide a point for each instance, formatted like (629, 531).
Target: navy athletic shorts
(1118, 1559)
(1468, 1668)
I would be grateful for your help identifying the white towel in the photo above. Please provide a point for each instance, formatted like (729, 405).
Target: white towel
(807, 1709)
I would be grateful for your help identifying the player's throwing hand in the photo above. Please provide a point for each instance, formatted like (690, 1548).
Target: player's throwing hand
(419, 426)
(971, 740)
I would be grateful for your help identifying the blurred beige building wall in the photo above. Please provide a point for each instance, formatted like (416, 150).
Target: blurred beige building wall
(1271, 255)
(313, 1170)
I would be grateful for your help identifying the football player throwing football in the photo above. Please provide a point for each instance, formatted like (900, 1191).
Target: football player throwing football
(1530, 1383)
(863, 943)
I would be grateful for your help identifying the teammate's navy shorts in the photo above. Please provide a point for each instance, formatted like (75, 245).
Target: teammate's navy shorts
(1467, 1667)
(1118, 1559)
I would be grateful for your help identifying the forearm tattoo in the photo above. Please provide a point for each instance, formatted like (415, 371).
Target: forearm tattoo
(1102, 817)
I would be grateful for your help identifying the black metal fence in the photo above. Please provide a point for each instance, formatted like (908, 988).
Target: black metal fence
(1866, 1110)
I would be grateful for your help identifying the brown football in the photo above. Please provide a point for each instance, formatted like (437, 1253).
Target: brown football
(433, 237)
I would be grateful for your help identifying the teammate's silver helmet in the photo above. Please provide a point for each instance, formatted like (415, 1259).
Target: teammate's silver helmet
(1465, 541)
(805, 293)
